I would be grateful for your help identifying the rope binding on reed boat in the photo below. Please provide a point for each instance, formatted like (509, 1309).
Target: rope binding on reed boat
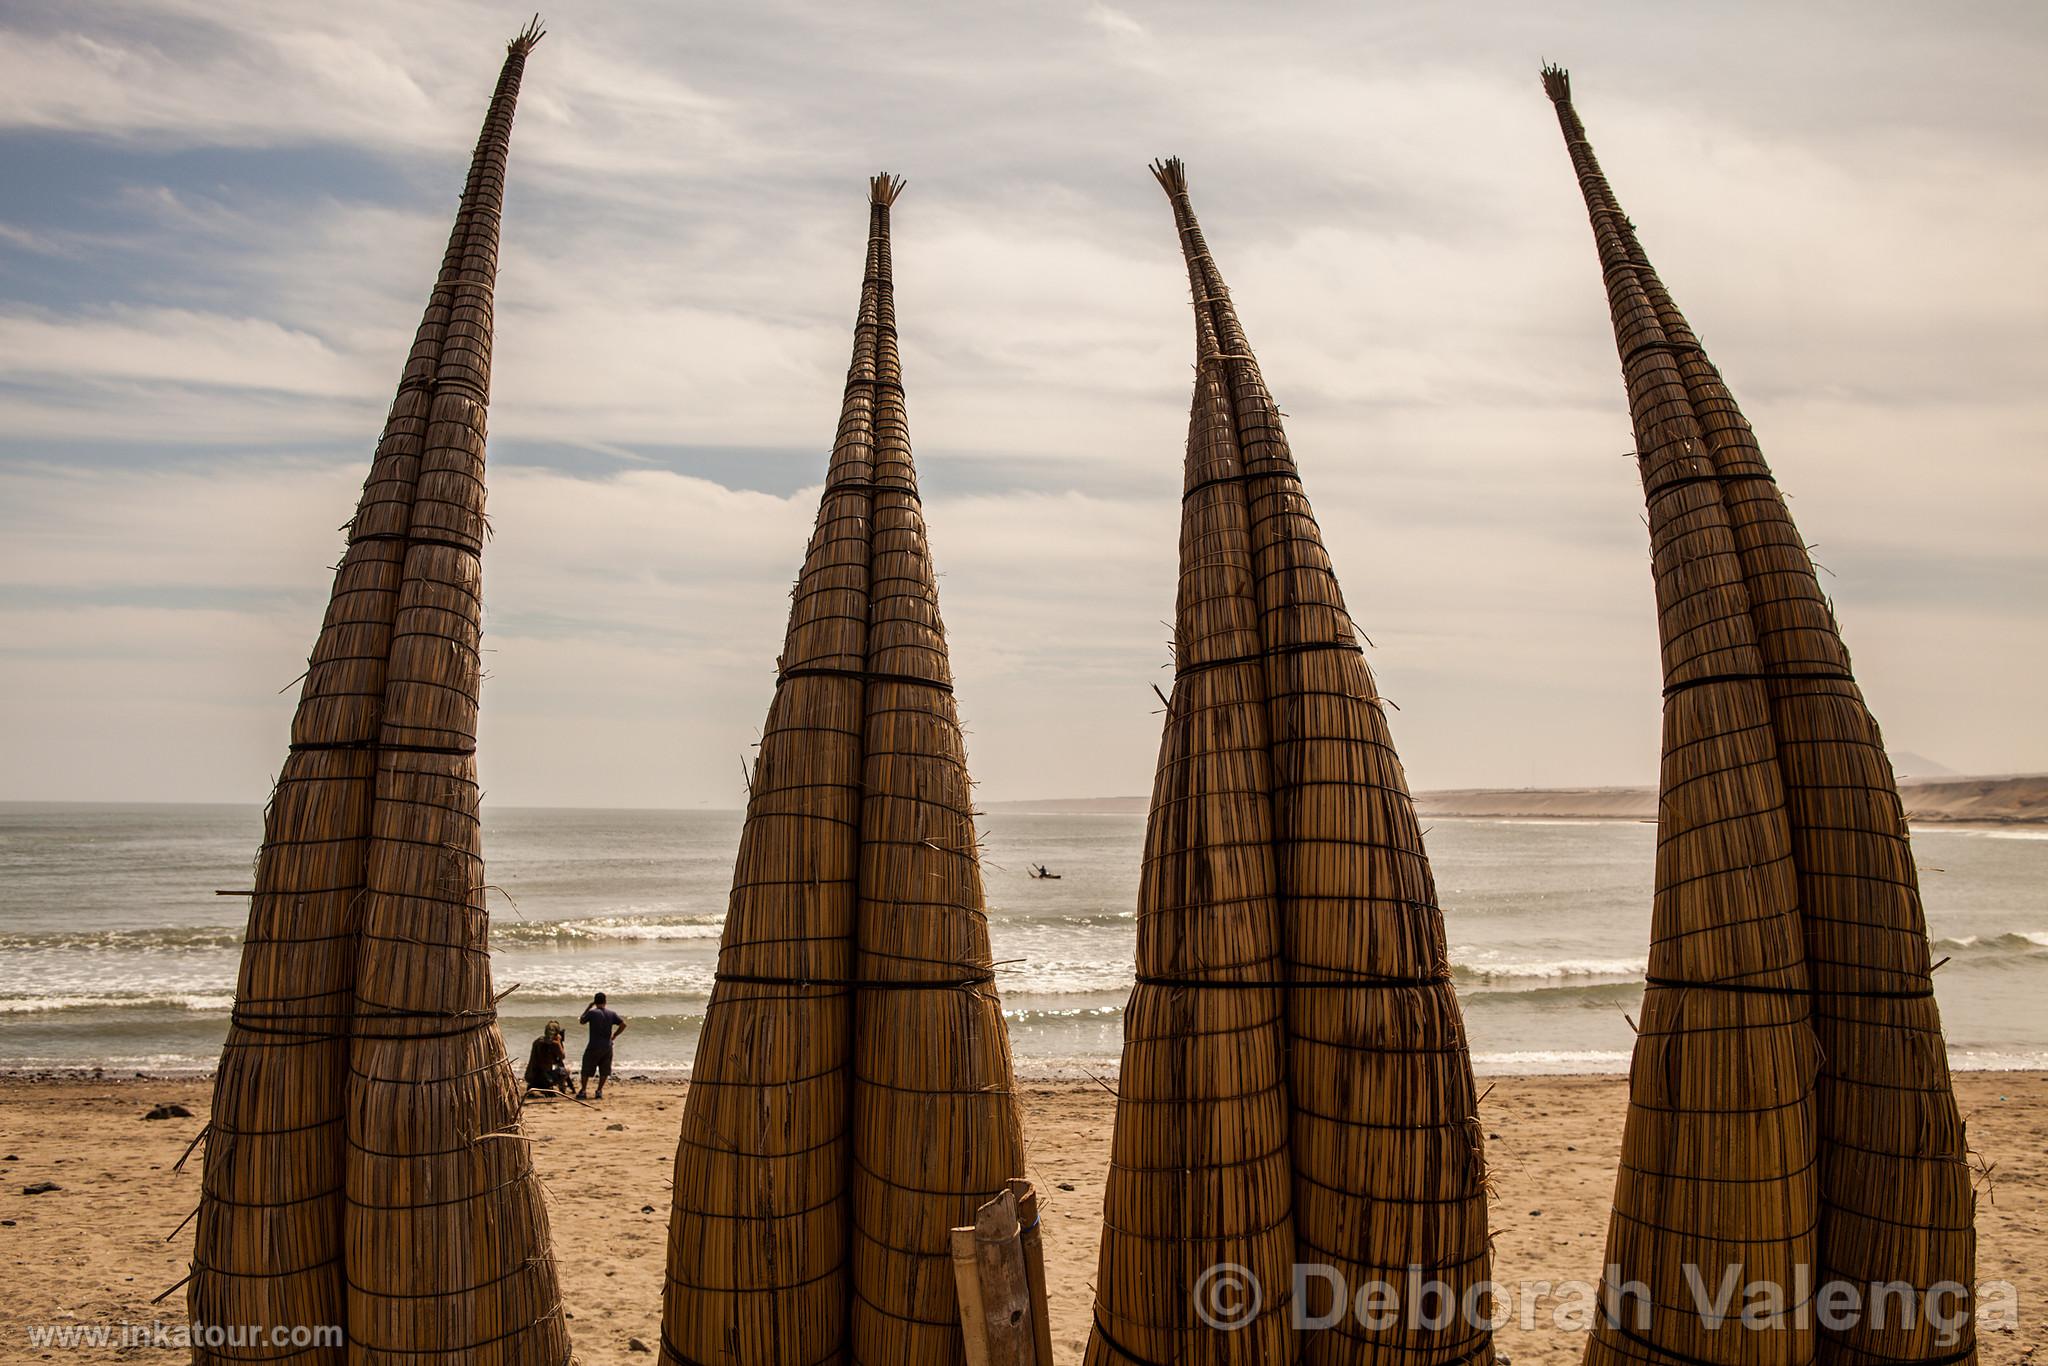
(1821, 675)
(861, 675)
(861, 983)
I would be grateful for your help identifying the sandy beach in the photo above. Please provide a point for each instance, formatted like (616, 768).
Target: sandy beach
(100, 1247)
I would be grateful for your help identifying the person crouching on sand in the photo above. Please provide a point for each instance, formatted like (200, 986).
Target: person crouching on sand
(605, 1024)
(547, 1066)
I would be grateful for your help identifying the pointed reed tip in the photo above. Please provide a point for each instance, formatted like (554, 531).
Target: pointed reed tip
(1557, 83)
(883, 188)
(528, 36)
(1171, 175)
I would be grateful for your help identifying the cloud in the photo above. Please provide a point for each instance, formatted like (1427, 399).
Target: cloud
(643, 601)
(227, 215)
(176, 346)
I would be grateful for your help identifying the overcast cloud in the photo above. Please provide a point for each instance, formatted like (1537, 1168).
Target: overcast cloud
(218, 222)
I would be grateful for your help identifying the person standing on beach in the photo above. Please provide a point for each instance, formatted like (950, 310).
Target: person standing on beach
(605, 1024)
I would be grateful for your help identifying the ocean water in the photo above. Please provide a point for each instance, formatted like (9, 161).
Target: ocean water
(115, 952)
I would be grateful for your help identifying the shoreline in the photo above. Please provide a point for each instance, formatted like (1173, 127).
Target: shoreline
(1991, 801)
(1446, 805)
(1916, 822)
(1068, 1072)
(1092, 1072)
(99, 1251)
(1036, 1069)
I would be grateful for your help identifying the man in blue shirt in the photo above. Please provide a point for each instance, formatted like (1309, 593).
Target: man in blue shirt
(605, 1024)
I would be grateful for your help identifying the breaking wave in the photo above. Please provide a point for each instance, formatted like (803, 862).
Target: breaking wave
(608, 928)
(1525, 976)
(198, 1002)
(170, 937)
(2027, 942)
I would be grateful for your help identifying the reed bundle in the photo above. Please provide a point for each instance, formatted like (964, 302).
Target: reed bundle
(852, 1098)
(936, 1134)
(356, 1168)
(1281, 810)
(1893, 1154)
(758, 1222)
(1886, 1192)
(1199, 1170)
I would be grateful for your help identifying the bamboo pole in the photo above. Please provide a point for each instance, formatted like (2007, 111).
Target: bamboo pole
(999, 1266)
(1031, 1237)
(1005, 1284)
(967, 1284)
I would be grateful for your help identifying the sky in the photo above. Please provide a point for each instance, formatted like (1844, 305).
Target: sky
(219, 220)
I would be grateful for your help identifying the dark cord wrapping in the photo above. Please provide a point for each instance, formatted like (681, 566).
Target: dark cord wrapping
(1675, 348)
(863, 675)
(1302, 648)
(1823, 675)
(864, 983)
(376, 746)
(871, 486)
(1918, 993)
(1362, 983)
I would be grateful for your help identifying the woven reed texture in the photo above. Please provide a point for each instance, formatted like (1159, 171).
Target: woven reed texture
(1382, 1138)
(758, 1219)
(930, 1062)
(1719, 1151)
(1895, 1192)
(357, 812)
(833, 1137)
(447, 1233)
(1199, 1168)
(268, 1241)
(1388, 1153)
